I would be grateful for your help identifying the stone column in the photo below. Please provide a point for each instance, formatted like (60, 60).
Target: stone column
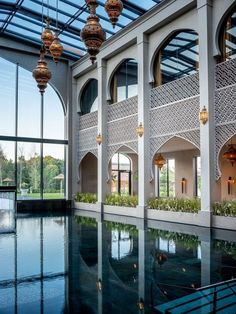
(207, 88)
(143, 117)
(75, 176)
(102, 129)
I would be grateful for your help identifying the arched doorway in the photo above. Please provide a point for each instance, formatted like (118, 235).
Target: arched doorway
(88, 169)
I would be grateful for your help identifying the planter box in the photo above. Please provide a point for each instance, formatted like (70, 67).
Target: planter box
(224, 222)
(177, 217)
(87, 206)
(118, 210)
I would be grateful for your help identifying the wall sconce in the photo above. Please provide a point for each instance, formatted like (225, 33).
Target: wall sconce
(183, 185)
(140, 129)
(230, 183)
(99, 139)
(203, 115)
(99, 284)
(141, 304)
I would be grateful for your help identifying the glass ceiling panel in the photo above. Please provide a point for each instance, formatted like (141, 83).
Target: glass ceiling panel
(23, 18)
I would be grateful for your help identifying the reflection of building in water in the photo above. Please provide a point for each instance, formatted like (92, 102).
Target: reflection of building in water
(122, 244)
(33, 270)
(7, 211)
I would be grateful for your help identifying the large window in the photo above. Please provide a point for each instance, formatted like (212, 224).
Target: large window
(177, 58)
(89, 97)
(32, 140)
(166, 179)
(125, 80)
(197, 169)
(121, 174)
(228, 37)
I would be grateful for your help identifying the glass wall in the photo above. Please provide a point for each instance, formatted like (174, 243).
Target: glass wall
(197, 161)
(121, 174)
(228, 35)
(177, 58)
(166, 179)
(124, 81)
(8, 96)
(27, 121)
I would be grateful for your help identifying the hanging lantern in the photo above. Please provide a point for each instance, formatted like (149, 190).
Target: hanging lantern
(230, 154)
(160, 161)
(56, 48)
(47, 35)
(41, 73)
(92, 34)
(91, 3)
(114, 9)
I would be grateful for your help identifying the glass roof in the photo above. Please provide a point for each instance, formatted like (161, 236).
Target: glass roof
(23, 19)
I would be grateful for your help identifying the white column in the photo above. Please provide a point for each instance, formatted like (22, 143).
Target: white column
(207, 87)
(102, 129)
(143, 117)
(76, 187)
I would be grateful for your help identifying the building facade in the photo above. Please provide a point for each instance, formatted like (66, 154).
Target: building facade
(160, 71)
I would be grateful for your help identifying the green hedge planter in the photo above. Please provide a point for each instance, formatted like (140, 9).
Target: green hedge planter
(86, 198)
(175, 204)
(225, 208)
(120, 200)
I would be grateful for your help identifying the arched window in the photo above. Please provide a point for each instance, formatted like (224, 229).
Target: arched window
(124, 81)
(89, 97)
(32, 139)
(228, 37)
(177, 58)
(121, 174)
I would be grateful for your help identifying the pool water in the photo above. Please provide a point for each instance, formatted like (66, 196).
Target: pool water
(75, 264)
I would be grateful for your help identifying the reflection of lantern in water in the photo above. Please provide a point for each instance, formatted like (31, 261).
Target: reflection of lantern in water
(161, 259)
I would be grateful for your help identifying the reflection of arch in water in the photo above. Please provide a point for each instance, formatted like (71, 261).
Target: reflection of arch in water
(124, 260)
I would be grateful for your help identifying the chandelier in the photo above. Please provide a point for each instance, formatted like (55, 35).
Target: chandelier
(92, 34)
(160, 161)
(230, 154)
(114, 9)
(41, 73)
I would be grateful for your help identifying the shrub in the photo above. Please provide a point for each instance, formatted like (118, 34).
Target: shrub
(121, 200)
(225, 208)
(175, 204)
(86, 198)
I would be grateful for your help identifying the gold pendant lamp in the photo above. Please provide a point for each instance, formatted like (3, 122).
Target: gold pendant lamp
(92, 34)
(114, 9)
(41, 73)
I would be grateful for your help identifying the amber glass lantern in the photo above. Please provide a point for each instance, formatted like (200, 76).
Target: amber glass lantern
(41, 73)
(56, 48)
(160, 161)
(114, 9)
(47, 35)
(230, 154)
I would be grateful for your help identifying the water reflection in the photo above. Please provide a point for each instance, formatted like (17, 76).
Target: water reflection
(87, 265)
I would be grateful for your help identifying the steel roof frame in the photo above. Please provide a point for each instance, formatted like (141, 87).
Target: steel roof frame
(25, 13)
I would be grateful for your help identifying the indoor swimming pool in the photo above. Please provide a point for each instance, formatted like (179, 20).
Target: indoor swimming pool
(77, 264)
